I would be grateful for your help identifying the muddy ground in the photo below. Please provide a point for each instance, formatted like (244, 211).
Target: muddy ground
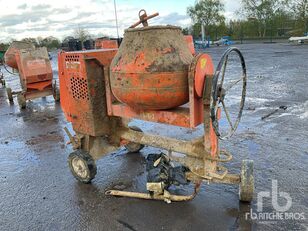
(38, 192)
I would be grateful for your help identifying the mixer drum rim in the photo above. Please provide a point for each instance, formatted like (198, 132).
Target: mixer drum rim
(152, 28)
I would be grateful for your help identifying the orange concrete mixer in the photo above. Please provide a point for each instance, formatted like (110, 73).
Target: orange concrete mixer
(35, 72)
(153, 77)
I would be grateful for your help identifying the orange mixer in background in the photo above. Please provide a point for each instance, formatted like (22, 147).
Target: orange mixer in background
(35, 72)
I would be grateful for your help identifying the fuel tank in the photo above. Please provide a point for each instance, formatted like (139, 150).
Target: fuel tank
(150, 70)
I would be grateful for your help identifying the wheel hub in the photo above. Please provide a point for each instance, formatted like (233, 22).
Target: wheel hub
(221, 93)
(80, 167)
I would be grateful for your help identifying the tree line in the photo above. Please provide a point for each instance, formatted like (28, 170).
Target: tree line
(256, 19)
(52, 42)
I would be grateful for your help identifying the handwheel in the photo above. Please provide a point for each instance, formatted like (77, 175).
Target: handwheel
(219, 93)
(9, 94)
(82, 166)
(21, 101)
(131, 146)
(246, 187)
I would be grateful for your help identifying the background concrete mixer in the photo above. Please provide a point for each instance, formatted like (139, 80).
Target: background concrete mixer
(35, 72)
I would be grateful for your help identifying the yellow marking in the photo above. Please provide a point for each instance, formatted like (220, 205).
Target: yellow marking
(203, 63)
(72, 65)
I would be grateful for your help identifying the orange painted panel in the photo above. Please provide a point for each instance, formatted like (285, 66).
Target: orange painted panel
(106, 44)
(82, 88)
(190, 42)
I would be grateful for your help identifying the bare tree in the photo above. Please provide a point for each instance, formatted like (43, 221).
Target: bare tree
(300, 9)
(30, 40)
(81, 34)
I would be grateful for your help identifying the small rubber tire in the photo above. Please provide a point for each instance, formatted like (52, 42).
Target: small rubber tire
(82, 166)
(21, 101)
(246, 186)
(9, 94)
(132, 147)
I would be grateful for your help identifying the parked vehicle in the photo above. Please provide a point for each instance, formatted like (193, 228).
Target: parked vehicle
(225, 40)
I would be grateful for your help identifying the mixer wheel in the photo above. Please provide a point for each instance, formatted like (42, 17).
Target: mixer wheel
(131, 146)
(246, 187)
(21, 101)
(9, 94)
(82, 166)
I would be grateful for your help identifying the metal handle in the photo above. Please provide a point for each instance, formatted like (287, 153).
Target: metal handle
(143, 18)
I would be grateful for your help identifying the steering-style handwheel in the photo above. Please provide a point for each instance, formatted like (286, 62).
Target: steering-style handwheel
(219, 93)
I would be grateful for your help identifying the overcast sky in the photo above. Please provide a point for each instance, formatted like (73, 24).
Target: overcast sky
(59, 18)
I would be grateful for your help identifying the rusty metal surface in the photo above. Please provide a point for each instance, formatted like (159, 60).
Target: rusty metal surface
(219, 93)
(190, 42)
(38, 94)
(179, 116)
(199, 154)
(188, 147)
(165, 196)
(151, 67)
(201, 69)
(93, 119)
(106, 44)
(82, 91)
(143, 18)
(33, 64)
(15, 47)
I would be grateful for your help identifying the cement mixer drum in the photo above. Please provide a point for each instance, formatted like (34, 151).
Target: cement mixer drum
(150, 70)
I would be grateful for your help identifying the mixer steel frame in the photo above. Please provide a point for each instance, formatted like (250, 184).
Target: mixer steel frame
(97, 135)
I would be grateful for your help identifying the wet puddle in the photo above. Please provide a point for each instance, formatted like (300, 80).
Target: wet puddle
(16, 157)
